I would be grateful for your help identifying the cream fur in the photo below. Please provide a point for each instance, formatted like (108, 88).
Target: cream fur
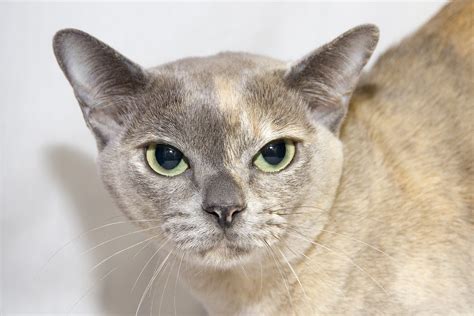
(373, 216)
(406, 190)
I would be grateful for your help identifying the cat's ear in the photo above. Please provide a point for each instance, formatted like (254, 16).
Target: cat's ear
(99, 75)
(328, 76)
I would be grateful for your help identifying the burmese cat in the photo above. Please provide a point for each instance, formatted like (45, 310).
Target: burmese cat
(286, 198)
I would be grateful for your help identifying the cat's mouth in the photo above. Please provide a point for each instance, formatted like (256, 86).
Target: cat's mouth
(225, 250)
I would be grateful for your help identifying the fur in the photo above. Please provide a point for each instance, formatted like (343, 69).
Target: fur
(373, 215)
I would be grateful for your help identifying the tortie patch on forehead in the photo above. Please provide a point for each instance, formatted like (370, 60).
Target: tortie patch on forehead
(256, 107)
(227, 95)
(232, 103)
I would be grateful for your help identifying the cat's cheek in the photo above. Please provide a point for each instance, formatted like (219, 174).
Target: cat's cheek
(282, 190)
(322, 176)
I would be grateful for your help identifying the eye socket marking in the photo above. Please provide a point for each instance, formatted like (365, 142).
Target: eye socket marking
(275, 156)
(166, 160)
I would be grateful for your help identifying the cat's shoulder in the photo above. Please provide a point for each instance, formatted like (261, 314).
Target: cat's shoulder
(453, 25)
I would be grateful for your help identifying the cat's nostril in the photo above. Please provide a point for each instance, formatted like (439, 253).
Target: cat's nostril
(225, 215)
(211, 211)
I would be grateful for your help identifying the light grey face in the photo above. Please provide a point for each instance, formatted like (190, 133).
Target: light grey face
(223, 204)
(225, 154)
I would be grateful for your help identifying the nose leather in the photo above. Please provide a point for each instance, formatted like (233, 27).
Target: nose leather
(224, 199)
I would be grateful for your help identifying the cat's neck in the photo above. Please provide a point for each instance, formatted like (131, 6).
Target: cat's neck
(242, 290)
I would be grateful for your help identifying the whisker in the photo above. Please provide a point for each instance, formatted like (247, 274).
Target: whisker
(120, 251)
(362, 242)
(142, 248)
(244, 271)
(155, 274)
(176, 283)
(319, 270)
(292, 271)
(261, 279)
(153, 294)
(327, 274)
(89, 290)
(297, 207)
(165, 286)
(293, 213)
(334, 287)
(297, 279)
(79, 236)
(118, 237)
(345, 256)
(152, 297)
(198, 273)
(357, 240)
(147, 263)
(302, 212)
(281, 273)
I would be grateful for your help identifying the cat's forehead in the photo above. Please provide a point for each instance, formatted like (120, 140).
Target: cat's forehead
(233, 84)
(230, 98)
(224, 74)
(229, 64)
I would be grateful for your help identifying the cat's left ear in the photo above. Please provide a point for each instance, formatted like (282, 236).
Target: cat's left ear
(328, 76)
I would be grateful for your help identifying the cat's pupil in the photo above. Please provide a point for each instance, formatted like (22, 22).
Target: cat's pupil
(274, 153)
(167, 156)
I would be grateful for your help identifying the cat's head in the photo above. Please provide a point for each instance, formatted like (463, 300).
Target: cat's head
(226, 156)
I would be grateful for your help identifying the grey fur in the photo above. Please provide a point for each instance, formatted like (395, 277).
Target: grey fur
(382, 224)
(184, 103)
(329, 75)
(219, 111)
(223, 197)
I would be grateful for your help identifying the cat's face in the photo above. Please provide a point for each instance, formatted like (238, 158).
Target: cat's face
(224, 156)
(220, 119)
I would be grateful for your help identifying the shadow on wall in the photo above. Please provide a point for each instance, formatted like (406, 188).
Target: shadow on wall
(77, 177)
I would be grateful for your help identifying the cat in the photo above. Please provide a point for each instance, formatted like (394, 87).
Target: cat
(303, 188)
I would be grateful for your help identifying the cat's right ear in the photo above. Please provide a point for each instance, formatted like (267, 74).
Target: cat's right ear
(99, 76)
(328, 76)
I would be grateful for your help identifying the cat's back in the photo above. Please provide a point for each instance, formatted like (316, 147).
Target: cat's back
(417, 100)
(434, 63)
(429, 75)
(408, 147)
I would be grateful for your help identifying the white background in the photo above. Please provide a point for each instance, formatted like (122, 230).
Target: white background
(49, 189)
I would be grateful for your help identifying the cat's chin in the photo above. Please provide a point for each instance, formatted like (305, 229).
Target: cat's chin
(224, 255)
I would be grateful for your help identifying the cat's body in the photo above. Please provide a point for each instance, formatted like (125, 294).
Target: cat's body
(378, 222)
(406, 189)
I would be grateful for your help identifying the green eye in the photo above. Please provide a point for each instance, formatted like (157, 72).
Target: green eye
(166, 160)
(275, 156)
